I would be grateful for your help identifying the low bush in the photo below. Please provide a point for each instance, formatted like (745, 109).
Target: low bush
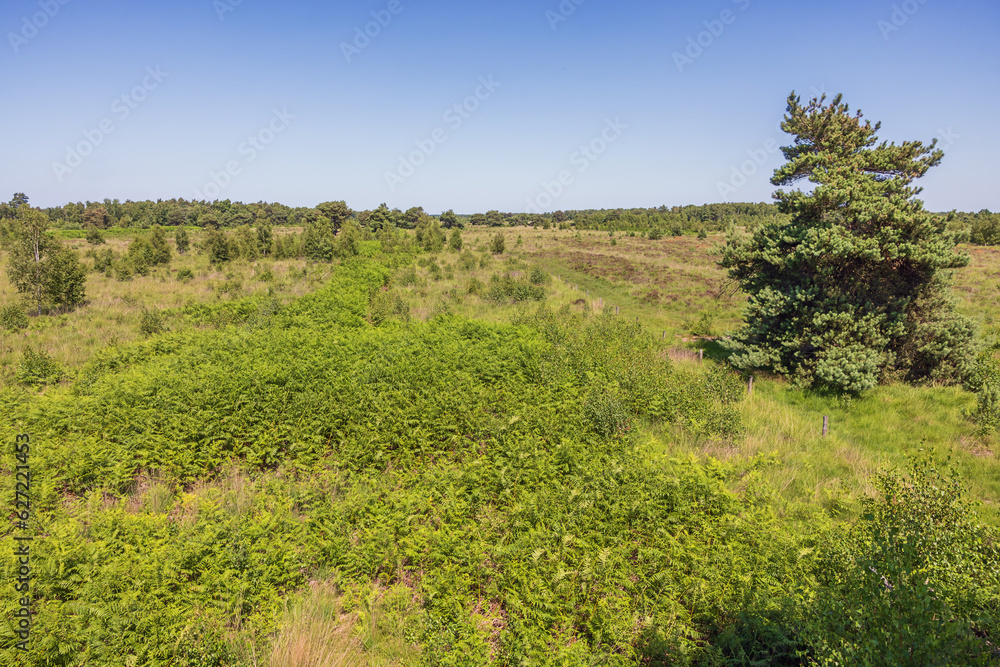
(13, 317)
(151, 322)
(505, 289)
(37, 368)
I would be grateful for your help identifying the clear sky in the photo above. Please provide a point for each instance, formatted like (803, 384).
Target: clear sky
(475, 105)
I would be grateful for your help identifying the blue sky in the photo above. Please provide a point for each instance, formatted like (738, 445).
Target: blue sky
(473, 105)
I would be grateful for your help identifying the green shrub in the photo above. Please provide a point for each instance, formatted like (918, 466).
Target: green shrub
(435, 271)
(123, 270)
(104, 261)
(504, 289)
(151, 322)
(231, 287)
(185, 274)
(94, 236)
(37, 368)
(914, 582)
(182, 240)
(539, 276)
(498, 243)
(408, 276)
(455, 240)
(607, 415)
(13, 317)
(384, 304)
(704, 325)
(467, 261)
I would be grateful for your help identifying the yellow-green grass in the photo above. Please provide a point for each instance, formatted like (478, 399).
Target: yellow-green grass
(783, 441)
(783, 424)
(668, 283)
(112, 310)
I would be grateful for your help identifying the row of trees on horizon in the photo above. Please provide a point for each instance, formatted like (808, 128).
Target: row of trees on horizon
(983, 228)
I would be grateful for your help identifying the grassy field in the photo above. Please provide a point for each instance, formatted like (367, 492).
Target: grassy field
(432, 531)
(111, 314)
(677, 291)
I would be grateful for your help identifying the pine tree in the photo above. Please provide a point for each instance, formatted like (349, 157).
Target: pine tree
(853, 289)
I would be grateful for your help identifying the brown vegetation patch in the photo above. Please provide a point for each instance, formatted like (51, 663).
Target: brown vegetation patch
(975, 447)
(651, 297)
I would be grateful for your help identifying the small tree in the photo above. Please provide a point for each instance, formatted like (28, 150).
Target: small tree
(318, 237)
(181, 240)
(217, 244)
(265, 237)
(161, 249)
(455, 240)
(337, 212)
(450, 220)
(94, 236)
(97, 216)
(41, 267)
(852, 290)
(498, 243)
(429, 234)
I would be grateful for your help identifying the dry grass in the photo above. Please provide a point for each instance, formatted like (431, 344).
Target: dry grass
(317, 633)
(112, 309)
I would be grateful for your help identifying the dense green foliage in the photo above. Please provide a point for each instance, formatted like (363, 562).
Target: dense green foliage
(984, 227)
(852, 290)
(916, 581)
(13, 317)
(188, 484)
(40, 267)
(37, 368)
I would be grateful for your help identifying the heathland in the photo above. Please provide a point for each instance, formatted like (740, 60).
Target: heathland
(489, 445)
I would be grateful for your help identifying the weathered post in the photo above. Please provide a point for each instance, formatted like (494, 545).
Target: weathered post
(826, 425)
(750, 387)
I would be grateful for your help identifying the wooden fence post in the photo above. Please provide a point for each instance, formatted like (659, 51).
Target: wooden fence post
(750, 387)
(826, 425)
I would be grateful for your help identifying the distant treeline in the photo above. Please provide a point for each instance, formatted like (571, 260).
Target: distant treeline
(983, 228)
(221, 214)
